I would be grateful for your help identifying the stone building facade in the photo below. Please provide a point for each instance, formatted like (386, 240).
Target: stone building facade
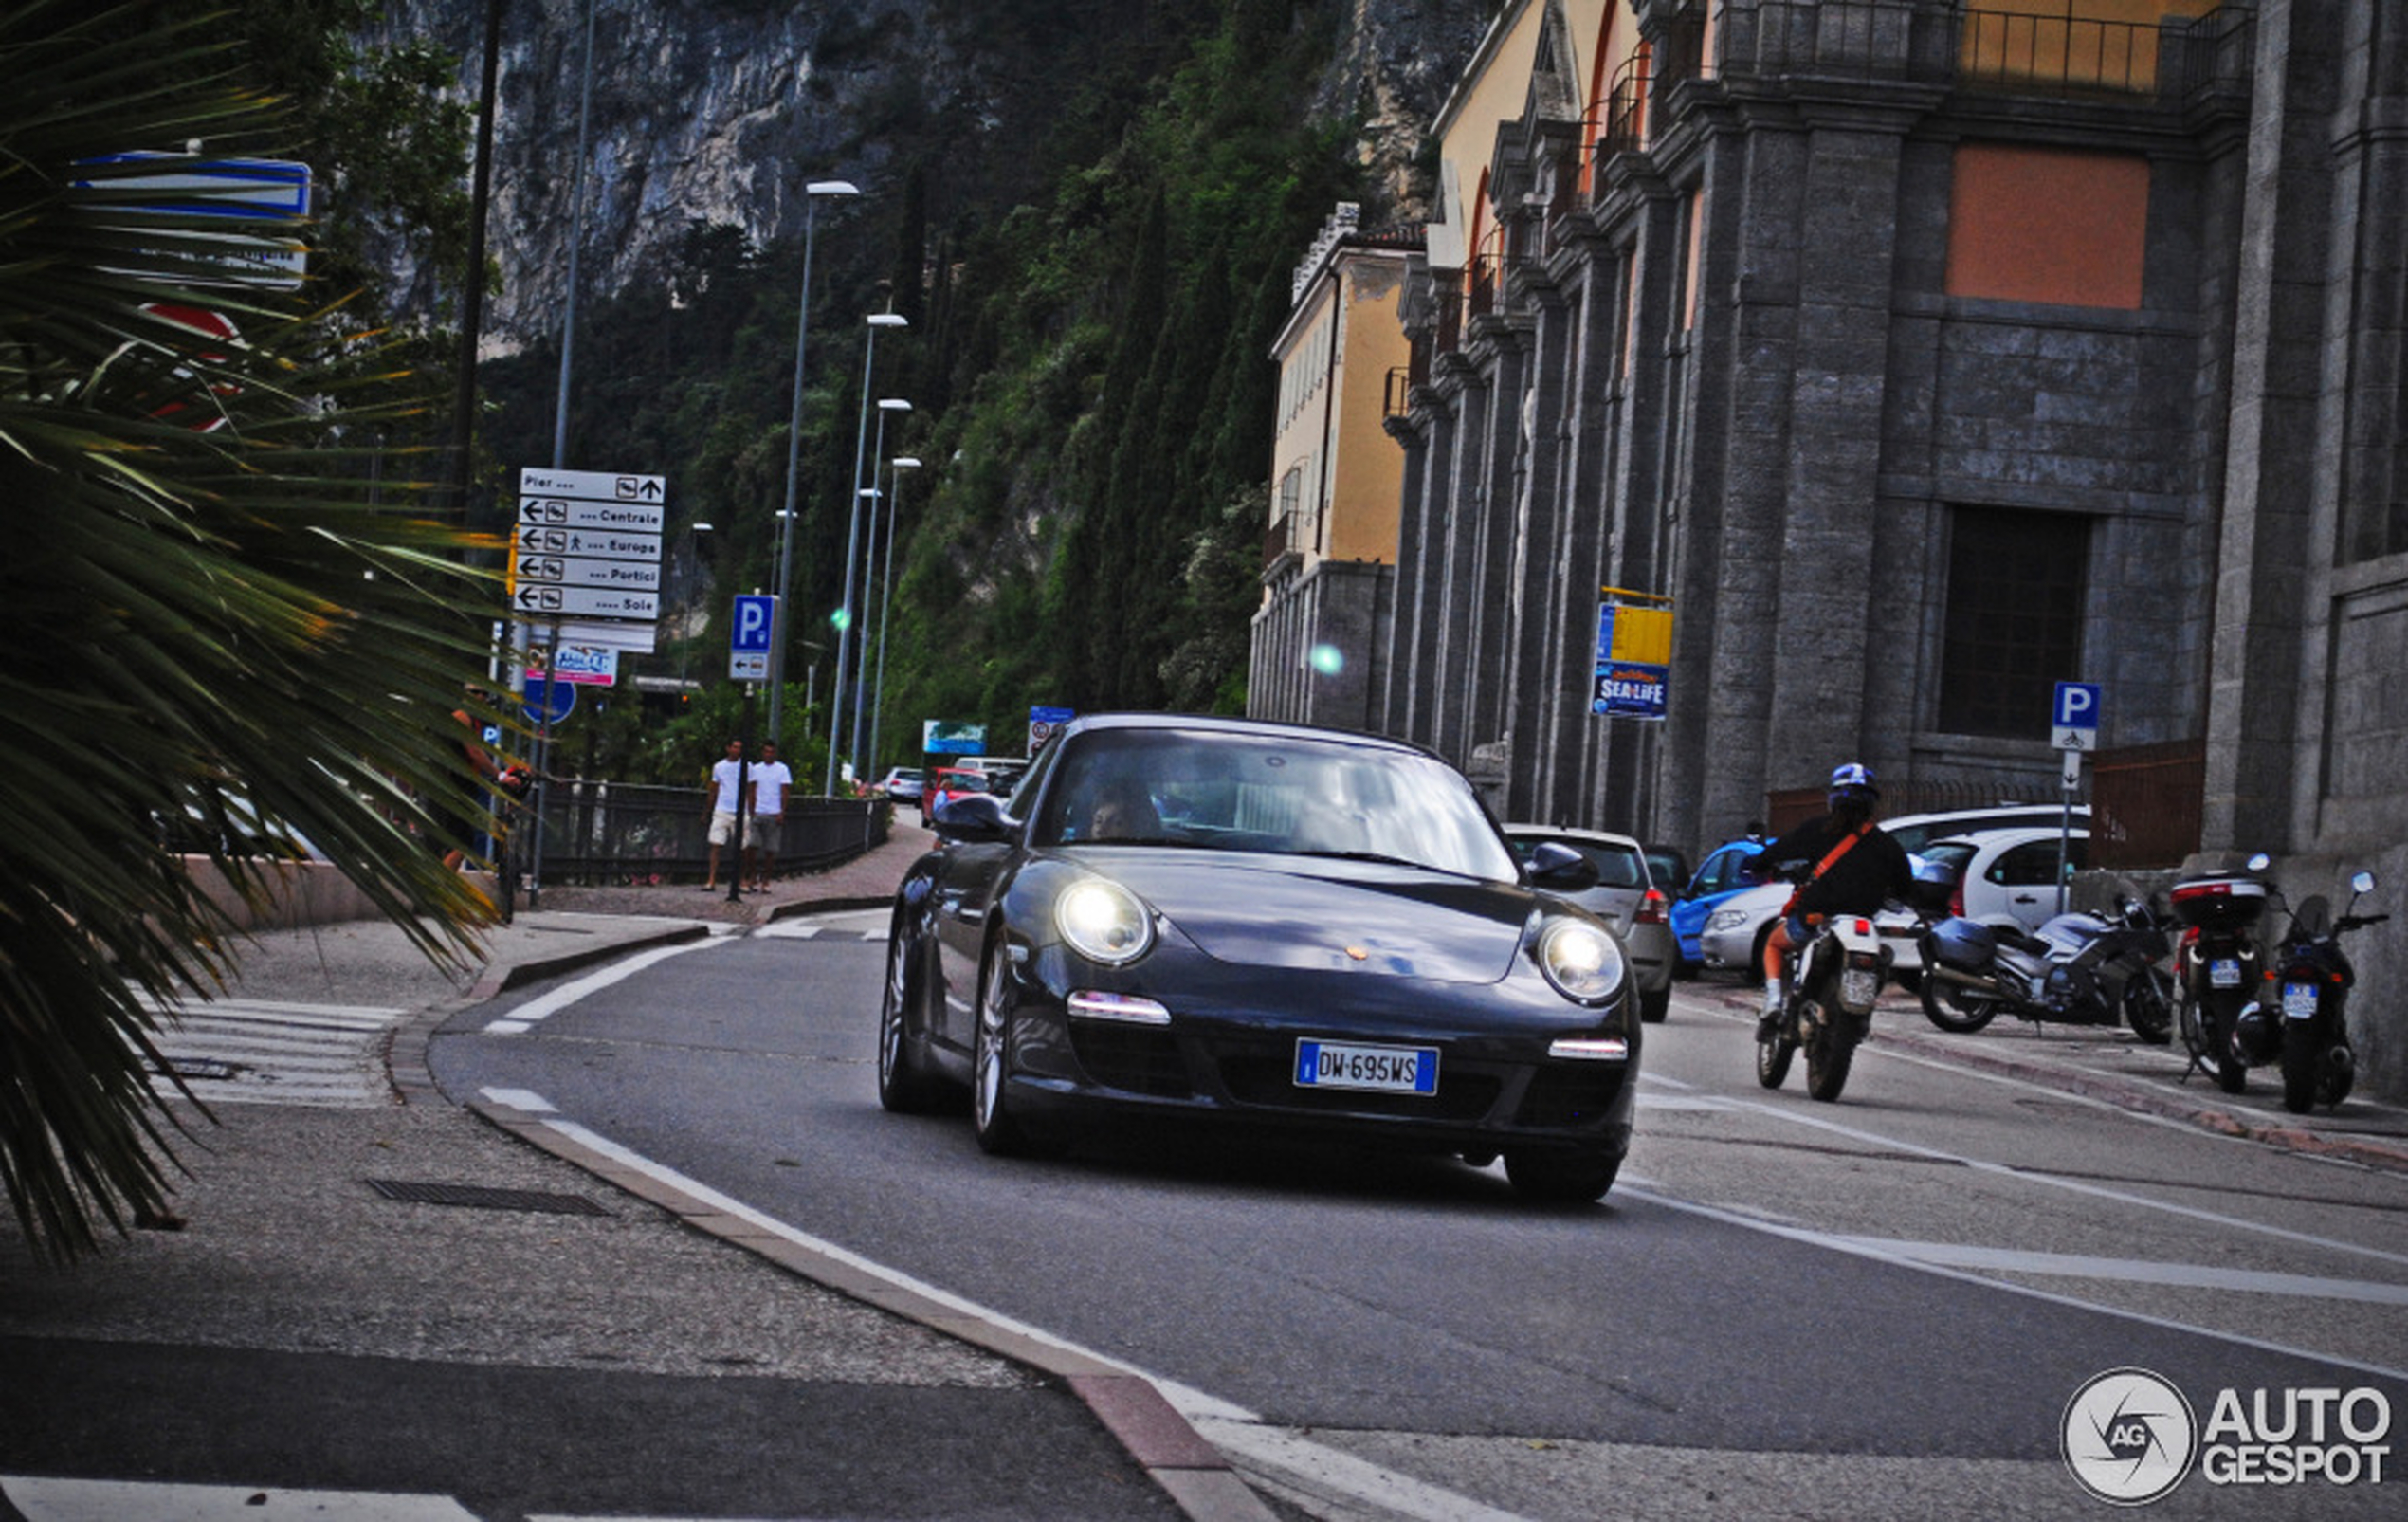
(1924, 353)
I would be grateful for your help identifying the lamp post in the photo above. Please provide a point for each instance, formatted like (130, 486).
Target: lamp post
(895, 468)
(813, 193)
(694, 533)
(852, 541)
(886, 405)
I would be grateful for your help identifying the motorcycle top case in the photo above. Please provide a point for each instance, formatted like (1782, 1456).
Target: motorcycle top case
(1964, 945)
(2219, 902)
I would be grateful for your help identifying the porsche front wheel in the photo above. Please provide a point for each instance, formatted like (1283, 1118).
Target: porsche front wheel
(1000, 1133)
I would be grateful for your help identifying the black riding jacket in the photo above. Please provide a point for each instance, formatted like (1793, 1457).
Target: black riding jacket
(1873, 872)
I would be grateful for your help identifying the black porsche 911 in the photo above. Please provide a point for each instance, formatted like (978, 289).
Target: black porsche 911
(1259, 923)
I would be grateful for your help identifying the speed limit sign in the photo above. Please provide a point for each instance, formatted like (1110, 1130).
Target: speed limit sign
(1044, 724)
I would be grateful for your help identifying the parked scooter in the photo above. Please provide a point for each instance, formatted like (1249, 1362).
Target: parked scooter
(2078, 969)
(1832, 984)
(2215, 977)
(2302, 1017)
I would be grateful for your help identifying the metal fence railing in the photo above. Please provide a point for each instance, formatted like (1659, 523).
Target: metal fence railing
(600, 832)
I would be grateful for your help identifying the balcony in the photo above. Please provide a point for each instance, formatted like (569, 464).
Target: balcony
(1282, 539)
(2048, 48)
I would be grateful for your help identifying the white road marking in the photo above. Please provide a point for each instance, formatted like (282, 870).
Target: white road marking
(100, 1500)
(534, 1011)
(1881, 1251)
(2134, 1271)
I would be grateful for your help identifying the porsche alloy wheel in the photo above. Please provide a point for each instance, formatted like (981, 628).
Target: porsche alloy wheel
(1000, 1133)
(901, 1086)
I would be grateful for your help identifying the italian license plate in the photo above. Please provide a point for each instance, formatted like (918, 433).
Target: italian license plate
(2299, 1001)
(1399, 1070)
(1858, 986)
(2224, 972)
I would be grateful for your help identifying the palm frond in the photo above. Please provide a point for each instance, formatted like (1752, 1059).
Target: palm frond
(263, 622)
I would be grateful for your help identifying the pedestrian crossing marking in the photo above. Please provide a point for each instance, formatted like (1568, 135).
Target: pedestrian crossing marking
(104, 1500)
(269, 1052)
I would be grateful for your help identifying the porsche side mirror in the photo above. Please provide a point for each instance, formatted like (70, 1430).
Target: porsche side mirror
(1554, 865)
(975, 817)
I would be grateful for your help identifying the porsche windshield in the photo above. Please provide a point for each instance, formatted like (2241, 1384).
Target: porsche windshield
(1268, 793)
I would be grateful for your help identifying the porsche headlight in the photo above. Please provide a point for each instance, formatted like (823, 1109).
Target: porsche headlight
(1581, 961)
(1103, 922)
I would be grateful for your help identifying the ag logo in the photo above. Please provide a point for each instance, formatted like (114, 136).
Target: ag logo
(2128, 1437)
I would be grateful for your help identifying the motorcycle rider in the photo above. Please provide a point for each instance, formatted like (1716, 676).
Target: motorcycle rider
(1857, 869)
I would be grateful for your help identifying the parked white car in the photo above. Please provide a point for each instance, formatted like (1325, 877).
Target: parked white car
(1626, 897)
(2007, 872)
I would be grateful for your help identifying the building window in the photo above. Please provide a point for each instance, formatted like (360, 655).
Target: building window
(2014, 628)
(2050, 225)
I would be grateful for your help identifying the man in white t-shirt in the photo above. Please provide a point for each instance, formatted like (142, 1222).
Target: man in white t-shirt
(770, 781)
(729, 786)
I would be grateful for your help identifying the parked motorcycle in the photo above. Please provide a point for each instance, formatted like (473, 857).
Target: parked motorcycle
(2216, 965)
(2302, 1020)
(2078, 969)
(1833, 984)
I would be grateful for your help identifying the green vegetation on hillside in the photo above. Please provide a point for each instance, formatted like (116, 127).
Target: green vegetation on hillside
(1088, 361)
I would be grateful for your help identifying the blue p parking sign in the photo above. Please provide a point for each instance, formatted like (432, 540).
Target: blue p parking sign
(2073, 721)
(748, 638)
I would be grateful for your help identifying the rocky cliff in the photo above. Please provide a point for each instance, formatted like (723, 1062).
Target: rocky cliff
(718, 112)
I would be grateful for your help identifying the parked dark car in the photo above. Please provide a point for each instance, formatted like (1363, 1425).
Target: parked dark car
(1243, 923)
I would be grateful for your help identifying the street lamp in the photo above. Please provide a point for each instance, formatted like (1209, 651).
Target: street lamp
(813, 193)
(869, 556)
(895, 468)
(694, 533)
(852, 539)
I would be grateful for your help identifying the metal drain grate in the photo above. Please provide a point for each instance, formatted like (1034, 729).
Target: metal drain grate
(479, 1196)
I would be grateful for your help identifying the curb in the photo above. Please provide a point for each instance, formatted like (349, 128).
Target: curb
(1198, 1479)
(1193, 1473)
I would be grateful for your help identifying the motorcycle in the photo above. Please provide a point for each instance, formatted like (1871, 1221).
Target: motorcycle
(1833, 984)
(2217, 967)
(2081, 968)
(2309, 980)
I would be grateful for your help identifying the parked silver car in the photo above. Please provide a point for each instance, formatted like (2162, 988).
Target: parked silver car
(1626, 897)
(1733, 938)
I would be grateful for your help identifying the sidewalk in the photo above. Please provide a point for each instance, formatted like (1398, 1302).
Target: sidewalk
(603, 1345)
(2110, 1065)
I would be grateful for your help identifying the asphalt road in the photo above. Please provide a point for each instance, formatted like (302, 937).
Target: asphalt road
(1853, 1309)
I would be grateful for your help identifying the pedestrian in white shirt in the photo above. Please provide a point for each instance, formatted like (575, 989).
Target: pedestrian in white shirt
(729, 787)
(771, 781)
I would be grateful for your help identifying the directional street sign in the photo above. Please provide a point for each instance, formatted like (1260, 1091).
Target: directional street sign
(536, 601)
(748, 638)
(588, 546)
(269, 194)
(569, 570)
(579, 512)
(2073, 721)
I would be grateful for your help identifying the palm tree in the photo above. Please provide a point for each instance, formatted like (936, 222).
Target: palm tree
(219, 604)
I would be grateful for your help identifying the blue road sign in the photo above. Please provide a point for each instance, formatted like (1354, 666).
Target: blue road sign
(748, 638)
(548, 702)
(2073, 719)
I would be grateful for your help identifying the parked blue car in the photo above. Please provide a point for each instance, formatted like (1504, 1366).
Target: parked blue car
(1718, 879)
